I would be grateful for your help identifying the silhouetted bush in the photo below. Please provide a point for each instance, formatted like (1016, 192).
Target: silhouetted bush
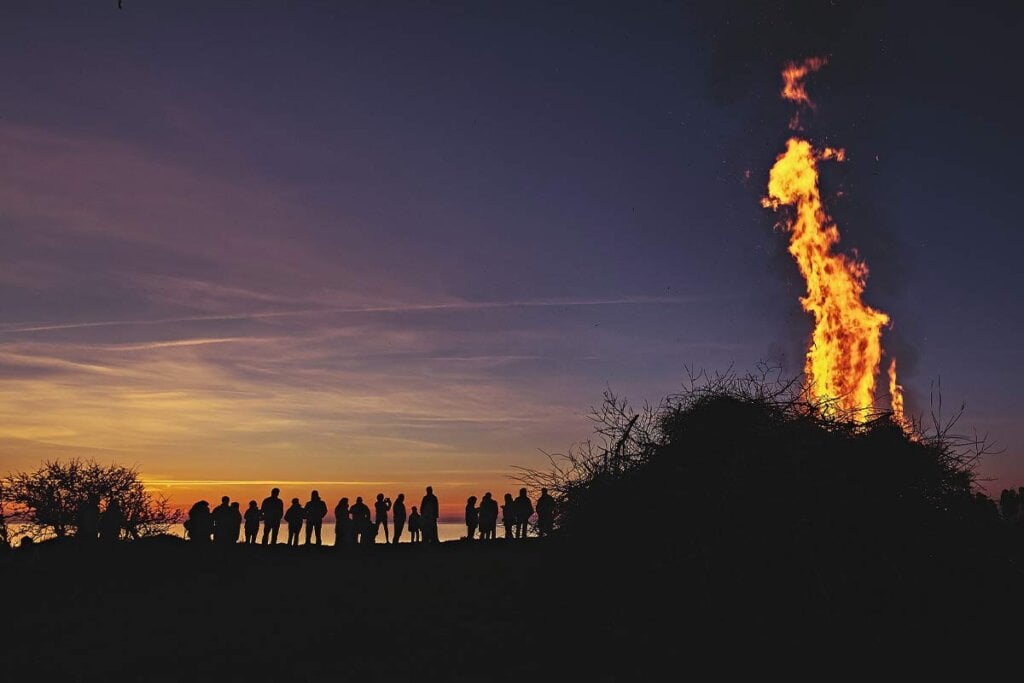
(51, 499)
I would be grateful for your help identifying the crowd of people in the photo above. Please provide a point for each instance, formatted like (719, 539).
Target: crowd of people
(357, 524)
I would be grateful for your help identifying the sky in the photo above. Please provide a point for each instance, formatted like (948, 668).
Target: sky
(369, 247)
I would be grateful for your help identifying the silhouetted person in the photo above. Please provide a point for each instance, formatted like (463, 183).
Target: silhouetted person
(111, 522)
(342, 523)
(272, 510)
(545, 513)
(87, 520)
(398, 515)
(430, 510)
(361, 523)
(199, 524)
(488, 516)
(508, 516)
(472, 517)
(222, 523)
(380, 511)
(236, 521)
(252, 522)
(415, 535)
(523, 511)
(316, 510)
(294, 517)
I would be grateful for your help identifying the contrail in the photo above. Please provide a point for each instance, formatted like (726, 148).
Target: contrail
(399, 308)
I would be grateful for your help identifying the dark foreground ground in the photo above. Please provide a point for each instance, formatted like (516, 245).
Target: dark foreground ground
(162, 610)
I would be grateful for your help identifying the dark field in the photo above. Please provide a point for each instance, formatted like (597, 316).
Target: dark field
(162, 610)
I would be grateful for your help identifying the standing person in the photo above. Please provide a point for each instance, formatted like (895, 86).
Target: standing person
(199, 524)
(472, 517)
(380, 519)
(430, 510)
(545, 513)
(342, 524)
(87, 520)
(111, 521)
(252, 522)
(508, 516)
(361, 523)
(235, 523)
(414, 526)
(222, 521)
(272, 511)
(398, 516)
(315, 511)
(488, 516)
(294, 518)
(523, 511)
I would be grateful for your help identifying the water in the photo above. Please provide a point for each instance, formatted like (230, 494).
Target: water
(446, 531)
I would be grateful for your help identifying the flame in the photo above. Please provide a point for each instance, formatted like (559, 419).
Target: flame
(845, 350)
(896, 397)
(793, 84)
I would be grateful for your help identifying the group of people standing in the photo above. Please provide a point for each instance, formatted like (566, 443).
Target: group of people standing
(355, 523)
(515, 515)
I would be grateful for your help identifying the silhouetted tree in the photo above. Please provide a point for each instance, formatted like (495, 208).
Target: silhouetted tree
(50, 499)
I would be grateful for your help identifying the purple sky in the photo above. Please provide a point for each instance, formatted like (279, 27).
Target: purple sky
(316, 241)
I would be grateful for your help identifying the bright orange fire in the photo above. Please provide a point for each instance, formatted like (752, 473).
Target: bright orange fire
(896, 397)
(845, 347)
(793, 84)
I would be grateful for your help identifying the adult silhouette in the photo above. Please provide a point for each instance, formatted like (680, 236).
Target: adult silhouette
(235, 521)
(294, 517)
(315, 511)
(472, 517)
(415, 523)
(199, 524)
(488, 516)
(342, 524)
(222, 522)
(87, 520)
(508, 516)
(111, 521)
(430, 510)
(272, 510)
(398, 515)
(545, 513)
(252, 522)
(361, 523)
(523, 512)
(380, 508)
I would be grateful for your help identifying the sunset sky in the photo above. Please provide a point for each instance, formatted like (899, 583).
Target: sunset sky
(367, 247)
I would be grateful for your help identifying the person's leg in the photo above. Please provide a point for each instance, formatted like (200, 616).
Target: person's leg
(384, 523)
(318, 529)
(266, 533)
(399, 525)
(273, 532)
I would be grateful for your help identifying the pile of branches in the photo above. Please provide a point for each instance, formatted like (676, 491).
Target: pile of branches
(753, 460)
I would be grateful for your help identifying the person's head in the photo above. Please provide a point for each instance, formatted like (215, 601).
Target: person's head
(274, 492)
(295, 501)
(234, 504)
(252, 504)
(224, 499)
(414, 508)
(344, 501)
(487, 496)
(380, 496)
(543, 492)
(471, 499)
(522, 491)
(430, 489)
(508, 496)
(359, 499)
(316, 495)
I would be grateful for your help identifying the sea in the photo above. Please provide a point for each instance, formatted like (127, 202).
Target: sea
(446, 531)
